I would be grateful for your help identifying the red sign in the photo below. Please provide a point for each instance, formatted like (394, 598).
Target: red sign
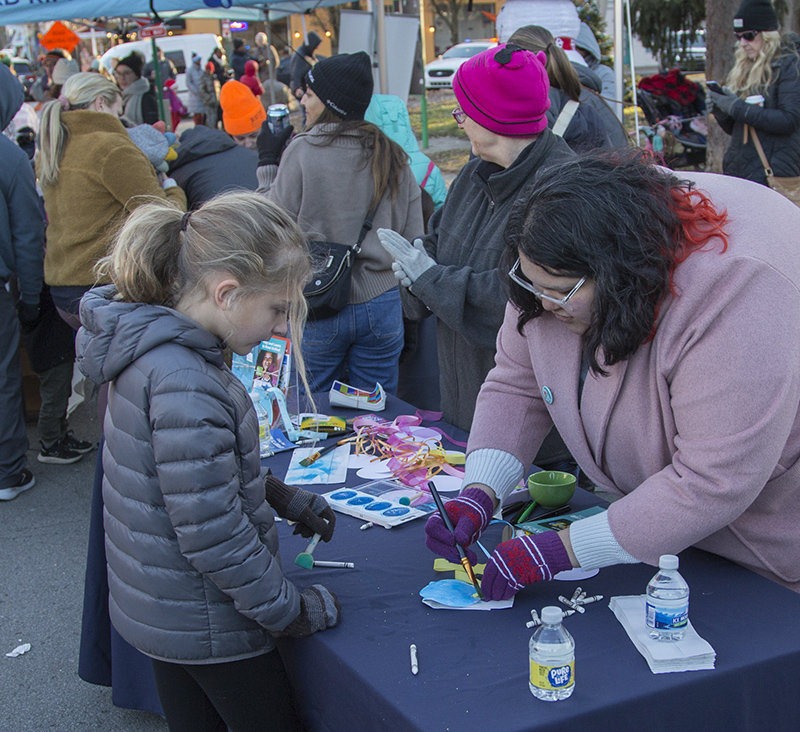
(226, 29)
(59, 36)
(153, 31)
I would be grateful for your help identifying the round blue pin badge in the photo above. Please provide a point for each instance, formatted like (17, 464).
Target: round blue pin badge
(547, 394)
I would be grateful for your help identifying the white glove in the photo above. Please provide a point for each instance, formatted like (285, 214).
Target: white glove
(410, 261)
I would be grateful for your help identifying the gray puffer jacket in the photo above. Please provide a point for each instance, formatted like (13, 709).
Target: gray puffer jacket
(193, 566)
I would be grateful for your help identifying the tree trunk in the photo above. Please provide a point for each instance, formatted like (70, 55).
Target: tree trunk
(720, 44)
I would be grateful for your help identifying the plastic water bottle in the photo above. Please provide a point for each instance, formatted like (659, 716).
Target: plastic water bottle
(667, 601)
(552, 655)
(264, 439)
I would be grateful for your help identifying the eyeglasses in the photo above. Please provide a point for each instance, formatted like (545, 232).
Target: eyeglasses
(519, 278)
(748, 36)
(459, 116)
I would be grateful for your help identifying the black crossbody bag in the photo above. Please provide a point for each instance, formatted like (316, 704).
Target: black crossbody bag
(328, 292)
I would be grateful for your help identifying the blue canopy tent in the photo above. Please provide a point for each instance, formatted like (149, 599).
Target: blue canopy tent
(30, 11)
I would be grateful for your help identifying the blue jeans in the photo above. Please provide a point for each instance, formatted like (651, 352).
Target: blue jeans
(361, 345)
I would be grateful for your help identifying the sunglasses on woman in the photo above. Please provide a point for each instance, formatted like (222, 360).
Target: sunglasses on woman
(748, 36)
(459, 116)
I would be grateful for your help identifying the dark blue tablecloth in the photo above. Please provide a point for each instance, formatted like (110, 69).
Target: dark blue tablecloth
(474, 665)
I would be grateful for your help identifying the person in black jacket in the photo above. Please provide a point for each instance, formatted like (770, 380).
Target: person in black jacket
(762, 94)
(239, 58)
(211, 162)
(21, 237)
(302, 61)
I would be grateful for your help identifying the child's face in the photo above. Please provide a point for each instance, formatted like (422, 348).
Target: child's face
(255, 318)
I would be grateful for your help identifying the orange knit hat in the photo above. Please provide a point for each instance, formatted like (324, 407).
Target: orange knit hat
(242, 112)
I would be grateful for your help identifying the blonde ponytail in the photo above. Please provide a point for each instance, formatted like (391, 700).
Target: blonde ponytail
(78, 92)
(162, 255)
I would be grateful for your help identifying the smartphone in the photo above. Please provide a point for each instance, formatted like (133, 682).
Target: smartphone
(714, 86)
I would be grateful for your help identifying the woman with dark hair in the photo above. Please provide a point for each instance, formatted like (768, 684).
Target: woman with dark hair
(654, 322)
(762, 97)
(139, 106)
(330, 177)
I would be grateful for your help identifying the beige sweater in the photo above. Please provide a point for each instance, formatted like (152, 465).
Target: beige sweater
(328, 188)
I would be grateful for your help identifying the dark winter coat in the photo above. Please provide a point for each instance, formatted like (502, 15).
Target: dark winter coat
(194, 571)
(463, 288)
(777, 124)
(21, 222)
(210, 162)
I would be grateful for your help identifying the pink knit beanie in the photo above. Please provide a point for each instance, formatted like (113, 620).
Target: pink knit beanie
(505, 89)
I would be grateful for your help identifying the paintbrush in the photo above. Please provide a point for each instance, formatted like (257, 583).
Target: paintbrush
(449, 524)
(311, 459)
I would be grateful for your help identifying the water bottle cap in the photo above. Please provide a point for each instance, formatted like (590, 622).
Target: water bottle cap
(668, 561)
(255, 396)
(552, 615)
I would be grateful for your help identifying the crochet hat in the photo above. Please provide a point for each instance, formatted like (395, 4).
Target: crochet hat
(343, 83)
(505, 89)
(242, 111)
(134, 62)
(755, 15)
(63, 69)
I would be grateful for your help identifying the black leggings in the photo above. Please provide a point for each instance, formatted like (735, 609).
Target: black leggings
(244, 696)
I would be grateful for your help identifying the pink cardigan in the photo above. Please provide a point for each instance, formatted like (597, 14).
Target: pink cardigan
(700, 429)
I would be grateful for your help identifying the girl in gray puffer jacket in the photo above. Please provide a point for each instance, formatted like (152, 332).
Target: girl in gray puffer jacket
(194, 571)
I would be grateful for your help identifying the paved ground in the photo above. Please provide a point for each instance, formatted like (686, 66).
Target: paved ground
(43, 535)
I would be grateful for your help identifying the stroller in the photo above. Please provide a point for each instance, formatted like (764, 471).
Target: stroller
(675, 109)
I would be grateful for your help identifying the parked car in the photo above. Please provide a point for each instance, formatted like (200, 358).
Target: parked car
(177, 49)
(439, 73)
(694, 57)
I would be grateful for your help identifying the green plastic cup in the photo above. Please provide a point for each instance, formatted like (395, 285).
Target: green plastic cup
(551, 488)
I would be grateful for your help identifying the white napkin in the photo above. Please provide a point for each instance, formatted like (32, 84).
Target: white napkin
(691, 653)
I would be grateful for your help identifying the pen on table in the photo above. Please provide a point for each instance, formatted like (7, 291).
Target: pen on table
(460, 549)
(414, 664)
(311, 459)
(334, 565)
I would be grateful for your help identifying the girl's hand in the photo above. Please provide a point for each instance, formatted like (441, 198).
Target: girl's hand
(312, 512)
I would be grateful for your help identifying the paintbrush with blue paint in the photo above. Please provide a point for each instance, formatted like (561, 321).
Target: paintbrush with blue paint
(449, 524)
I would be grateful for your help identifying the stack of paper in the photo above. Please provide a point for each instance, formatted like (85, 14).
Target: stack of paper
(691, 653)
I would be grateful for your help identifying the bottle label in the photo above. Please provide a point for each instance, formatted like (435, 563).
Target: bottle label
(552, 677)
(262, 431)
(667, 618)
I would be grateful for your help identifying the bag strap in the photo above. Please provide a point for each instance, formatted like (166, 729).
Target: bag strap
(760, 150)
(365, 228)
(565, 117)
(431, 166)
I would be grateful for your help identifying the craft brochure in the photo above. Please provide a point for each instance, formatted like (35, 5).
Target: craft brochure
(380, 502)
(556, 523)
